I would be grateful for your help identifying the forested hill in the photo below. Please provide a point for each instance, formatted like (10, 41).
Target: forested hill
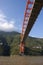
(13, 40)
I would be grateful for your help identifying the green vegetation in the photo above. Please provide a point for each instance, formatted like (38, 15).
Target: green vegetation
(13, 40)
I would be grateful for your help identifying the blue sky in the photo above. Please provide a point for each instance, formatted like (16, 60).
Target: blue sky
(12, 14)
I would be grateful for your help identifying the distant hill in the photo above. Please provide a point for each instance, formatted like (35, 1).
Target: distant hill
(12, 39)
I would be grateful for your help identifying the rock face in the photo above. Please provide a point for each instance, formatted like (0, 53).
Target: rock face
(1, 50)
(4, 48)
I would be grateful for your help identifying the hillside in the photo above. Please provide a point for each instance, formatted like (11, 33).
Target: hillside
(12, 40)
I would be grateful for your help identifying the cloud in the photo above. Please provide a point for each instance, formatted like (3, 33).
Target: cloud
(6, 25)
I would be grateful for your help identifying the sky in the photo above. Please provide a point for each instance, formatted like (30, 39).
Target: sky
(12, 14)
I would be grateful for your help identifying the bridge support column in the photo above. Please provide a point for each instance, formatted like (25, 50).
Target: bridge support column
(22, 48)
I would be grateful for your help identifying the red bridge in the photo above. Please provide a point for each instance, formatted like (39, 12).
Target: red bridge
(33, 8)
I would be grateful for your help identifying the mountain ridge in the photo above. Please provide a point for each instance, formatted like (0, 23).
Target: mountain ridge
(12, 39)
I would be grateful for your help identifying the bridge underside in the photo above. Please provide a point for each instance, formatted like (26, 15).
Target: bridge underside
(34, 14)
